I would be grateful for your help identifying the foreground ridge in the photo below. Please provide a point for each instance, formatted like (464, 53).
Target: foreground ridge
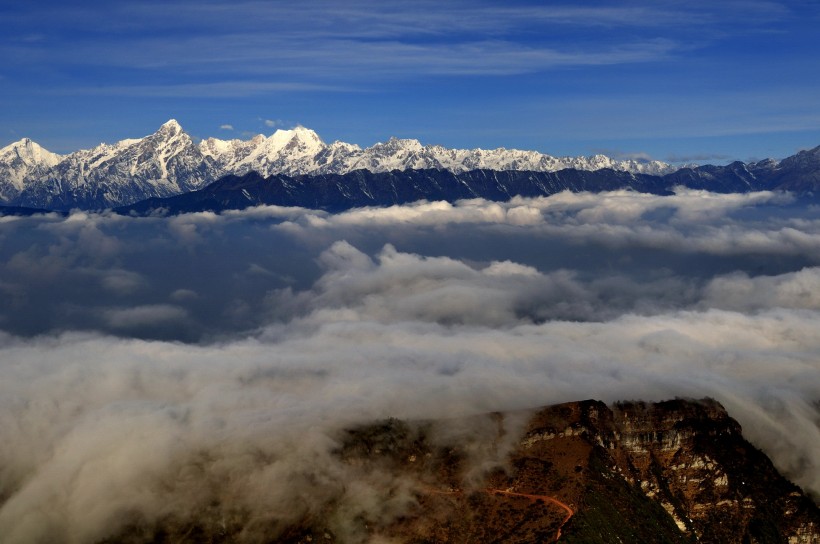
(583, 472)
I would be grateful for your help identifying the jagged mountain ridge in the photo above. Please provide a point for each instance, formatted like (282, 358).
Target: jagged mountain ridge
(335, 192)
(300, 151)
(677, 471)
(799, 173)
(162, 164)
(168, 162)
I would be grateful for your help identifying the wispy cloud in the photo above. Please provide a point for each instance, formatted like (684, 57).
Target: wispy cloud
(369, 19)
(158, 315)
(366, 39)
(697, 157)
(675, 114)
(624, 155)
(341, 59)
(227, 89)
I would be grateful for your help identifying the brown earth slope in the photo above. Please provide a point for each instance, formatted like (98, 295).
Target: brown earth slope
(583, 472)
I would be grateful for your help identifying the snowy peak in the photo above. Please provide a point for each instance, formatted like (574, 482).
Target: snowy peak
(398, 145)
(21, 160)
(302, 139)
(303, 134)
(293, 152)
(164, 163)
(171, 125)
(170, 133)
(300, 151)
(229, 152)
(29, 152)
(149, 156)
(168, 162)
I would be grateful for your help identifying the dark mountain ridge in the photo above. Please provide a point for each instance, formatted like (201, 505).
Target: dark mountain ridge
(336, 193)
(25, 212)
(799, 174)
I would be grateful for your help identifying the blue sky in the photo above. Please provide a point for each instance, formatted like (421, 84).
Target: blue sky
(690, 80)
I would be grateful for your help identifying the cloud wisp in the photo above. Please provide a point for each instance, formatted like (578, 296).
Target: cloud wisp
(365, 39)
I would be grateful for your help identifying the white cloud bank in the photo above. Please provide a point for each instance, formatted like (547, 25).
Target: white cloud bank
(418, 311)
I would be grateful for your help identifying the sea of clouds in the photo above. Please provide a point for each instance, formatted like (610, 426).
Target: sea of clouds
(170, 367)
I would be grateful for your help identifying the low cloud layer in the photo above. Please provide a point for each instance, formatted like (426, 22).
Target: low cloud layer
(203, 365)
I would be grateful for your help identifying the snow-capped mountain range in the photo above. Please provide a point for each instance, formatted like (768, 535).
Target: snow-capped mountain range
(300, 151)
(169, 162)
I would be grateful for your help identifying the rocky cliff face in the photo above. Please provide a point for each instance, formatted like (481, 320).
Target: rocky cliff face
(687, 457)
(584, 472)
(692, 459)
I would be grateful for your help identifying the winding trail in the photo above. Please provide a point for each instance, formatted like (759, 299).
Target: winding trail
(505, 492)
(546, 498)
